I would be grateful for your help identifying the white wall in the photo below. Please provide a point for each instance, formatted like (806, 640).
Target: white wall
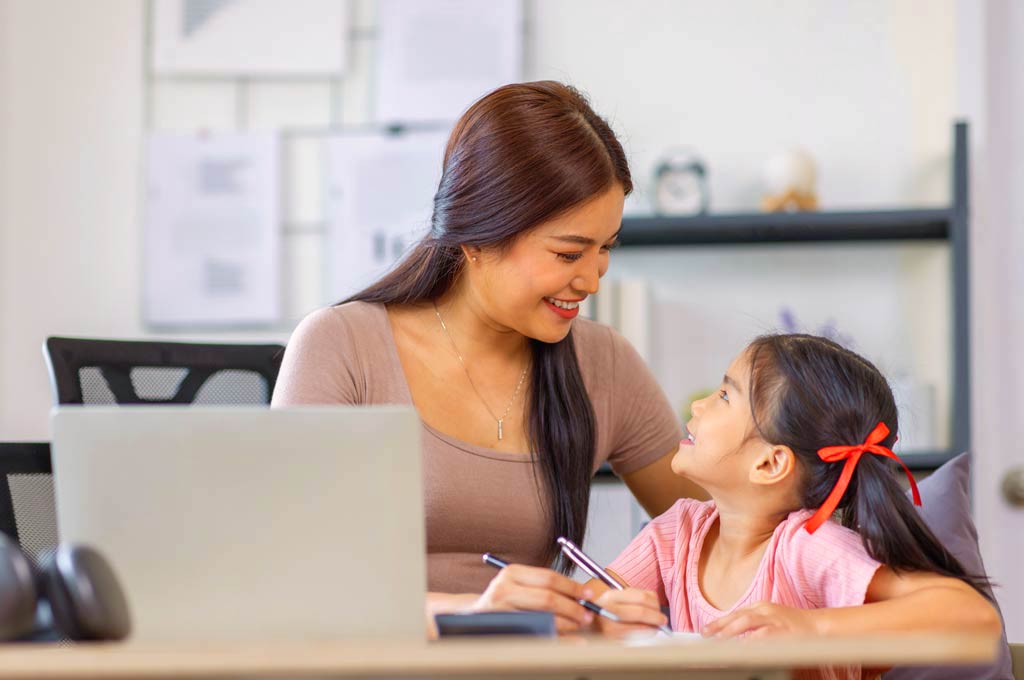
(990, 64)
(69, 240)
(867, 88)
(4, 127)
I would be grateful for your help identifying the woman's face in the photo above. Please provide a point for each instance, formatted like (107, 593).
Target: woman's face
(537, 285)
(721, 428)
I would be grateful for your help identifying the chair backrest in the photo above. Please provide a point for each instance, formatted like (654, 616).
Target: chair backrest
(84, 371)
(94, 372)
(27, 511)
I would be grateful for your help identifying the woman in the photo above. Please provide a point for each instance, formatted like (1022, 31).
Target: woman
(475, 327)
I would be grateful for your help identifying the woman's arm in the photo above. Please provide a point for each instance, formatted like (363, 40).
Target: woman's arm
(911, 601)
(656, 487)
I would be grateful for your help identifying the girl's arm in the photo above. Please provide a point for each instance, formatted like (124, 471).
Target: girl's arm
(918, 601)
(904, 602)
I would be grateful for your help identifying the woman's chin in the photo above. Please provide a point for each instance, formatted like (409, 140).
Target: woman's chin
(551, 335)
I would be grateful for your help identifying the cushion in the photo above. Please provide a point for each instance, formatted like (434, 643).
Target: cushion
(946, 509)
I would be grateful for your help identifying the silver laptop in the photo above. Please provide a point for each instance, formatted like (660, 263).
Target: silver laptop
(234, 523)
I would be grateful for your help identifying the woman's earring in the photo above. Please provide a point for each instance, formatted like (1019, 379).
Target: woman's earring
(473, 258)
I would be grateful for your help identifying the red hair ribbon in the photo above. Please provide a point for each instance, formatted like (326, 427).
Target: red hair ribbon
(852, 454)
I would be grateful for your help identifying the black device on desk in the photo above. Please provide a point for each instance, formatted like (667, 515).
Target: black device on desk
(75, 594)
(497, 623)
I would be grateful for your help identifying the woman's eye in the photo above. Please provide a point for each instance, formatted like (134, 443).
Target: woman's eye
(610, 246)
(570, 257)
(724, 395)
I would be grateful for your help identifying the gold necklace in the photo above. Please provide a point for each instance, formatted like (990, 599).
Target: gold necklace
(522, 377)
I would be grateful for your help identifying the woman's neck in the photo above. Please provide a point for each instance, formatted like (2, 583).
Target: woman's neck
(476, 333)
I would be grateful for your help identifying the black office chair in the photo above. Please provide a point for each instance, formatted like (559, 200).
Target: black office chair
(94, 372)
(27, 512)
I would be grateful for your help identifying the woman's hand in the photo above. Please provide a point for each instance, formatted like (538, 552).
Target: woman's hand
(764, 619)
(534, 588)
(638, 611)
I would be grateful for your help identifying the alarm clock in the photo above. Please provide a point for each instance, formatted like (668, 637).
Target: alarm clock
(680, 184)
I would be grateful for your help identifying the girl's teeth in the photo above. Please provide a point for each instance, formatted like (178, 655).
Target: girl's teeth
(563, 305)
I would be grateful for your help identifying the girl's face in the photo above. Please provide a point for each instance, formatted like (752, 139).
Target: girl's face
(720, 431)
(537, 285)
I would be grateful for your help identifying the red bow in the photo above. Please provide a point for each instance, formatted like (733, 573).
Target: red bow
(852, 454)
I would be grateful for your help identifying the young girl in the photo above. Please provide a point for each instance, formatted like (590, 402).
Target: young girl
(799, 429)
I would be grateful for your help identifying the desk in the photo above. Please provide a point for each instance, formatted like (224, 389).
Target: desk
(487, 657)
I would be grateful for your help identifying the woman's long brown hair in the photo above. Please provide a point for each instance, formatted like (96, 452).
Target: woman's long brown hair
(520, 156)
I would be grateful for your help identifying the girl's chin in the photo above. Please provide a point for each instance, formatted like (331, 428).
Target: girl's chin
(678, 463)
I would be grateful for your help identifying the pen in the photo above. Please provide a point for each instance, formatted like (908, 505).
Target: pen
(594, 570)
(499, 563)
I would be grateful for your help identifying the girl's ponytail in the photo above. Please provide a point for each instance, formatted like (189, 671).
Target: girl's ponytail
(877, 508)
(810, 393)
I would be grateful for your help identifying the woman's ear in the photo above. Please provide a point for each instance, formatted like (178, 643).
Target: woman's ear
(472, 253)
(773, 465)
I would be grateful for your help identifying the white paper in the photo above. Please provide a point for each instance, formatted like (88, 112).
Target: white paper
(212, 239)
(380, 198)
(659, 638)
(238, 37)
(436, 58)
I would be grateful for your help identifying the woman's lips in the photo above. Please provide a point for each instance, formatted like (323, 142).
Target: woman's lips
(564, 313)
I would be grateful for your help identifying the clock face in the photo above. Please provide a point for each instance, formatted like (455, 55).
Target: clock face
(679, 192)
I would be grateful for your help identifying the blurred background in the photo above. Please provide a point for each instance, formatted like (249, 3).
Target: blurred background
(217, 169)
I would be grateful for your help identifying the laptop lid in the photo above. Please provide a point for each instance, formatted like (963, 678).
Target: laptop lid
(238, 523)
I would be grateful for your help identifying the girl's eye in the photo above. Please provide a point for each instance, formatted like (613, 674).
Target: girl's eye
(570, 257)
(724, 395)
(611, 246)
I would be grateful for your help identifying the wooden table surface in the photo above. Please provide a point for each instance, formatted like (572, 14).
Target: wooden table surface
(477, 656)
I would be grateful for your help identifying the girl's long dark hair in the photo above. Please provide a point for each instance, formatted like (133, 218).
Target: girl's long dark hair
(807, 392)
(519, 156)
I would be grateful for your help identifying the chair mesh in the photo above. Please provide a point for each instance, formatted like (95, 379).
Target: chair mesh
(94, 387)
(160, 383)
(35, 513)
(157, 382)
(233, 386)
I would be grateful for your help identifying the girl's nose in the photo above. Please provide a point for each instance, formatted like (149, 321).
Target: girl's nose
(697, 406)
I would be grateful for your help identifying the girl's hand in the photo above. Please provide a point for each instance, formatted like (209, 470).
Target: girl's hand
(519, 587)
(764, 619)
(639, 611)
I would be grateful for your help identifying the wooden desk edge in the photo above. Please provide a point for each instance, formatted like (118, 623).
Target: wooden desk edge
(469, 656)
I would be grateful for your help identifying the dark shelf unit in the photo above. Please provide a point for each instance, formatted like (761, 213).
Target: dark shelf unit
(931, 224)
(816, 227)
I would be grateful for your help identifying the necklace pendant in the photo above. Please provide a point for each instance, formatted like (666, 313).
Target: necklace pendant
(499, 430)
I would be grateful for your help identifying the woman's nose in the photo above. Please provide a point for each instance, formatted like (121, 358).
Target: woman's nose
(587, 280)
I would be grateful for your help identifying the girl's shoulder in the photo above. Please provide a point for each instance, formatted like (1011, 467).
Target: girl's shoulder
(831, 536)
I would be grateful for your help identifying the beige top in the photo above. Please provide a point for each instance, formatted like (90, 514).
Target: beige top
(477, 499)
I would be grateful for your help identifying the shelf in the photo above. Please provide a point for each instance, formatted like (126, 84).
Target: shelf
(805, 227)
(917, 461)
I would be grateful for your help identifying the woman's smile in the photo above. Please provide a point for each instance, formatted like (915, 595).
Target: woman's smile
(567, 309)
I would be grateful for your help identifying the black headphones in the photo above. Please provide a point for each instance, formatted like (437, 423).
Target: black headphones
(74, 594)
